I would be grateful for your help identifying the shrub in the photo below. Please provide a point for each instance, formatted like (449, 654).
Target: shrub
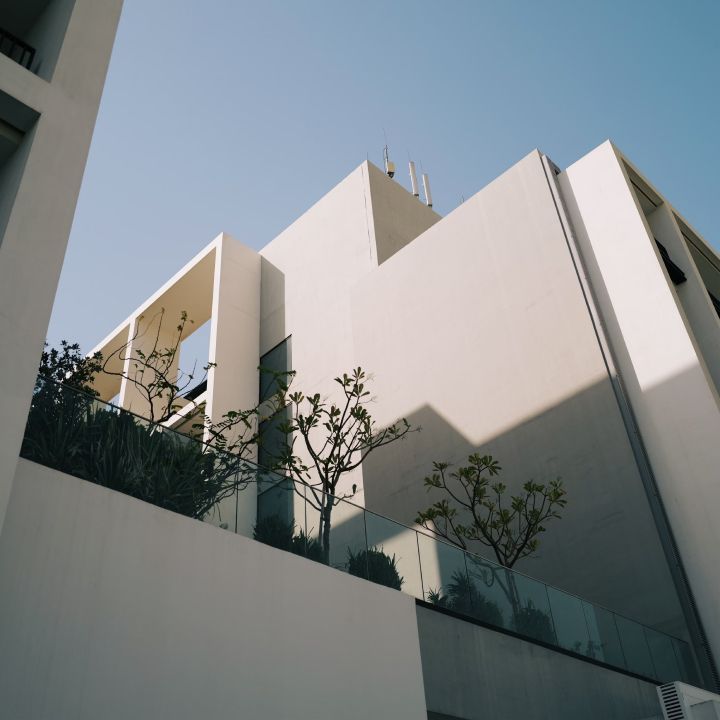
(375, 565)
(464, 597)
(274, 531)
(534, 623)
(70, 431)
(278, 533)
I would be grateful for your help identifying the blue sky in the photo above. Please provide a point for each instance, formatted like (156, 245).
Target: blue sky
(238, 116)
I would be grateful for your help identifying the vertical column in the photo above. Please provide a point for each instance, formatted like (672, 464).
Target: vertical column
(235, 347)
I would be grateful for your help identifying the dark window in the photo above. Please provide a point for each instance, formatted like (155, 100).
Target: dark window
(715, 302)
(674, 271)
(16, 49)
(275, 494)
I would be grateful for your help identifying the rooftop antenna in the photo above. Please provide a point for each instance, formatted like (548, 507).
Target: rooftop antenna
(389, 164)
(413, 179)
(426, 189)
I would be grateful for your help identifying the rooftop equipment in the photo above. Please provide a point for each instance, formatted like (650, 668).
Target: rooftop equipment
(389, 165)
(413, 179)
(426, 189)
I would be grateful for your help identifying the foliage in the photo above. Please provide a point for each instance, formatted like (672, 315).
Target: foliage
(278, 533)
(511, 528)
(236, 432)
(68, 366)
(306, 546)
(160, 383)
(534, 623)
(337, 438)
(463, 596)
(240, 431)
(274, 531)
(154, 371)
(375, 565)
(72, 432)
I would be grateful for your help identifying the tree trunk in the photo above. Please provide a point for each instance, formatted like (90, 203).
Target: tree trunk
(325, 525)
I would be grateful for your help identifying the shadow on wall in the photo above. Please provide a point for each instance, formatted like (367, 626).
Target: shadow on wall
(606, 547)
(272, 305)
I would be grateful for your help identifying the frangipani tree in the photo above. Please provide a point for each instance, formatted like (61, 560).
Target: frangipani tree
(482, 511)
(479, 509)
(336, 438)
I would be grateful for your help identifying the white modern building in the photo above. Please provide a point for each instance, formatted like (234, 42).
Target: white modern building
(54, 56)
(565, 322)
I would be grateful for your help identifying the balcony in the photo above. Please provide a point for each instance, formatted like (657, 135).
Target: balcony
(16, 49)
(32, 33)
(73, 432)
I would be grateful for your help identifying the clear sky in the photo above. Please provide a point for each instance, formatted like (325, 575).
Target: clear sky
(221, 115)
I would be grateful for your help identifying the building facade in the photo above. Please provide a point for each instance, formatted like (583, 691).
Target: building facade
(563, 321)
(53, 60)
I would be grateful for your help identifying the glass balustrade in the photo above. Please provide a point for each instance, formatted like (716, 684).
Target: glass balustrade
(73, 432)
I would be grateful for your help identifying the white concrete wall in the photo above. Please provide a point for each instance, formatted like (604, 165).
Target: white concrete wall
(310, 269)
(35, 235)
(233, 383)
(671, 391)
(478, 332)
(112, 608)
(48, 34)
(398, 217)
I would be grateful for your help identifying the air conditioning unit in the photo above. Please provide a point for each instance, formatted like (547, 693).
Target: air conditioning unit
(686, 702)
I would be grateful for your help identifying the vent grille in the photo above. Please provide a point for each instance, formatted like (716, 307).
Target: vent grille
(671, 706)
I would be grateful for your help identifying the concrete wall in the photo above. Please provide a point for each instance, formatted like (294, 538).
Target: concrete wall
(112, 608)
(478, 332)
(233, 383)
(310, 269)
(472, 672)
(38, 224)
(668, 382)
(398, 217)
(47, 36)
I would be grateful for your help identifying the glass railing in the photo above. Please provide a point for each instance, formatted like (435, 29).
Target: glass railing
(386, 552)
(73, 432)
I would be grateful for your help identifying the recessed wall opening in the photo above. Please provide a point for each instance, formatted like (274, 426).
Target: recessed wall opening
(32, 33)
(682, 253)
(192, 358)
(17, 125)
(650, 201)
(275, 495)
(705, 261)
(194, 354)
